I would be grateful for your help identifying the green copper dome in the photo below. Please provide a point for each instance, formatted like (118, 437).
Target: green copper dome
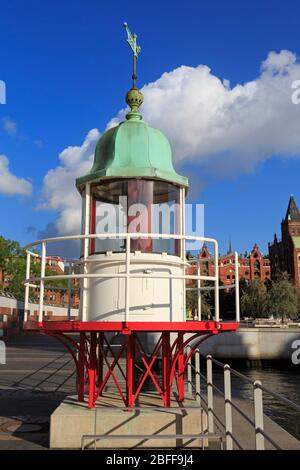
(133, 149)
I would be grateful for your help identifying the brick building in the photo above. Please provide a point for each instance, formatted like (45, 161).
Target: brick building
(285, 253)
(60, 297)
(52, 296)
(252, 266)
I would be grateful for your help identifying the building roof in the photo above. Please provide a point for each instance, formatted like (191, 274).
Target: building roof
(133, 149)
(292, 213)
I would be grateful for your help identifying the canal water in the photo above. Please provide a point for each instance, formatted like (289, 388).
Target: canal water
(282, 379)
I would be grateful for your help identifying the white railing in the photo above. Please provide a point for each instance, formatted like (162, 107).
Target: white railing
(203, 388)
(39, 282)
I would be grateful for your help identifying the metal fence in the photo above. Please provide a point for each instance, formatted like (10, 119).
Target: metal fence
(203, 388)
(204, 436)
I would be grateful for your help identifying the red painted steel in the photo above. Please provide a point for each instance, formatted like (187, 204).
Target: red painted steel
(95, 351)
(127, 327)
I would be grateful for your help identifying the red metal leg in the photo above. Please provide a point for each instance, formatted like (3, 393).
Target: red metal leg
(92, 369)
(100, 359)
(166, 360)
(180, 376)
(80, 374)
(92, 352)
(130, 364)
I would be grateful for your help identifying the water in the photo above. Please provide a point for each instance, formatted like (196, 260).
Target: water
(283, 380)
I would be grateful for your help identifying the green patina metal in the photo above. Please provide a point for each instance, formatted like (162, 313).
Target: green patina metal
(296, 242)
(133, 149)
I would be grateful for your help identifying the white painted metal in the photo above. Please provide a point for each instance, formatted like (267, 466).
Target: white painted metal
(127, 286)
(216, 263)
(258, 415)
(228, 407)
(86, 231)
(183, 252)
(42, 281)
(27, 286)
(198, 376)
(237, 287)
(210, 394)
(69, 292)
(155, 282)
(199, 291)
(143, 287)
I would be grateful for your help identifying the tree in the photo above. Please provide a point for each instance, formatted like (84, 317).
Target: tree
(13, 266)
(283, 300)
(192, 301)
(254, 299)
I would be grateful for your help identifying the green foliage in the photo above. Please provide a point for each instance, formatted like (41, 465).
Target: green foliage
(278, 298)
(283, 299)
(206, 301)
(254, 299)
(13, 266)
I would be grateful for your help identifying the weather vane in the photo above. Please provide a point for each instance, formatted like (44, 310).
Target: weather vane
(131, 39)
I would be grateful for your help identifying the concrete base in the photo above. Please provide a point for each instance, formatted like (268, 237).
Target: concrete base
(71, 420)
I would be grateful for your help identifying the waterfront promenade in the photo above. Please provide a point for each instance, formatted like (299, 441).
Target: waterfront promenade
(39, 374)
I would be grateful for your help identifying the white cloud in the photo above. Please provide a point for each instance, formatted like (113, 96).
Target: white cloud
(10, 184)
(9, 126)
(208, 122)
(59, 191)
(224, 130)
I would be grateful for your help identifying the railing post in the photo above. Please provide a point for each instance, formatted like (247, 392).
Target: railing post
(228, 407)
(86, 230)
(210, 394)
(69, 292)
(189, 371)
(182, 245)
(237, 287)
(199, 291)
(42, 282)
(258, 416)
(26, 300)
(197, 376)
(127, 279)
(216, 261)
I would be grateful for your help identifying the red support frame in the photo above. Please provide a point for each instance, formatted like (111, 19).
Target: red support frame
(97, 361)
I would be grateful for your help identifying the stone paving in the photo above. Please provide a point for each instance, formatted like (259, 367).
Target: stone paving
(37, 376)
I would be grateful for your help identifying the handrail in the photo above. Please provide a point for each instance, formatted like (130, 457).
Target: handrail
(258, 388)
(121, 235)
(127, 275)
(262, 387)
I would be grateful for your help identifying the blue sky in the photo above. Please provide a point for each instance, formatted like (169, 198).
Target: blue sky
(67, 67)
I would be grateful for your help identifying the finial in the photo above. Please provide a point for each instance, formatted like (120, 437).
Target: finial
(134, 98)
(131, 39)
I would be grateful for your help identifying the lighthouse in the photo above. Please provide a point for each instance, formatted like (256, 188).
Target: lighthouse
(132, 269)
(131, 188)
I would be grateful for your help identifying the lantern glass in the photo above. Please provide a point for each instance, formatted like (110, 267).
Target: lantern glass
(135, 206)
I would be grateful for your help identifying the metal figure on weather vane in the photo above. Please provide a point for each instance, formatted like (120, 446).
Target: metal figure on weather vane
(131, 39)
